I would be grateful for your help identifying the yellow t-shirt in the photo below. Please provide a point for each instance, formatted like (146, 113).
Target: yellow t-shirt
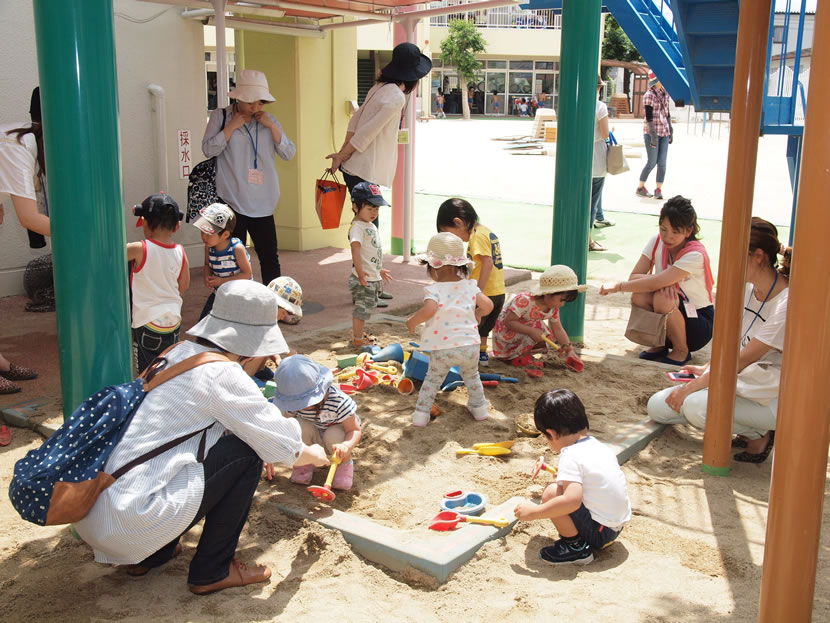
(484, 243)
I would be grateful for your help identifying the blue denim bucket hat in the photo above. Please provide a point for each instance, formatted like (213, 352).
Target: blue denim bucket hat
(300, 383)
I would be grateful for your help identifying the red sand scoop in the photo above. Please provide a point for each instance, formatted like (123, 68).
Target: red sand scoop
(541, 465)
(572, 362)
(324, 493)
(449, 520)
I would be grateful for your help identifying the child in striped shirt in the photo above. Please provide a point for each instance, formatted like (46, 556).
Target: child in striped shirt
(305, 390)
(226, 257)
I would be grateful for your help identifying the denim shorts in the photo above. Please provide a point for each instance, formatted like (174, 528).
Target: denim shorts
(365, 297)
(593, 532)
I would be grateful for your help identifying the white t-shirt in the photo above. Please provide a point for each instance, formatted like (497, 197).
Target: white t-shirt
(454, 324)
(600, 164)
(18, 163)
(371, 255)
(769, 322)
(604, 491)
(694, 285)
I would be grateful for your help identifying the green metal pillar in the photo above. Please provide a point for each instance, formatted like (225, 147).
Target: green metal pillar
(76, 61)
(575, 144)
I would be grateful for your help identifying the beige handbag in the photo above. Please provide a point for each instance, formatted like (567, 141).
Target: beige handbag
(646, 327)
(614, 159)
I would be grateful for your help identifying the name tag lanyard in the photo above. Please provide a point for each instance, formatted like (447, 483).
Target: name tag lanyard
(760, 309)
(254, 145)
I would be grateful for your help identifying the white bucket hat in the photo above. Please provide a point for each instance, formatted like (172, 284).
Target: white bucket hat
(555, 279)
(243, 320)
(251, 86)
(214, 218)
(445, 249)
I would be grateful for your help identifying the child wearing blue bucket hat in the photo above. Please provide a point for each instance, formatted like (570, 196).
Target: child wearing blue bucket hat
(305, 390)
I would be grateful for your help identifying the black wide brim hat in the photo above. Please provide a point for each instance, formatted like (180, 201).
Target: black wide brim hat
(407, 64)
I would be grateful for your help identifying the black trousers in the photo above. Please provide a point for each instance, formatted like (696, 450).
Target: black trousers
(263, 233)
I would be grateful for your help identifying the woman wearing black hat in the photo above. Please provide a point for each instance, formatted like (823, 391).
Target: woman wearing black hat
(370, 149)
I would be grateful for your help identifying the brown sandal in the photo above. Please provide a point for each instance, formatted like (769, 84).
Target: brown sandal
(239, 574)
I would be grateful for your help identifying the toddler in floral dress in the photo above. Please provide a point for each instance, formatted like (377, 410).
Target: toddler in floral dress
(453, 307)
(531, 315)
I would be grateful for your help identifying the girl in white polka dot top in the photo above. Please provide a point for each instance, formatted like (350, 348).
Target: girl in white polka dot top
(453, 307)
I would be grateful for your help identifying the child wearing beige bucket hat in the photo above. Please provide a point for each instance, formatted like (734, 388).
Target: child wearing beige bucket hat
(453, 307)
(533, 316)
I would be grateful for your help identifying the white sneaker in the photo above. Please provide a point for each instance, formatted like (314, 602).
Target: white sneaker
(420, 419)
(479, 413)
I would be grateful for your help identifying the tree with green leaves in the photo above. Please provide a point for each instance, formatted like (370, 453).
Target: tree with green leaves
(459, 49)
(616, 45)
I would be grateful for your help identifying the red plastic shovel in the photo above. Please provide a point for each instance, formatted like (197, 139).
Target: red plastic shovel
(541, 465)
(324, 493)
(449, 520)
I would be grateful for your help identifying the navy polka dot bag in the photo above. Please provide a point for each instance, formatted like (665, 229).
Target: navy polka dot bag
(59, 482)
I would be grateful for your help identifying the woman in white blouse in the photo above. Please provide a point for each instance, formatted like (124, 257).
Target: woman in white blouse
(681, 285)
(139, 520)
(759, 362)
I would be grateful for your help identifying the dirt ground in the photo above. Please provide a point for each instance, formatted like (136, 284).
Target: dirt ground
(692, 552)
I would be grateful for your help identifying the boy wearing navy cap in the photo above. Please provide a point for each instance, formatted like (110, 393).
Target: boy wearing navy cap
(365, 282)
(159, 274)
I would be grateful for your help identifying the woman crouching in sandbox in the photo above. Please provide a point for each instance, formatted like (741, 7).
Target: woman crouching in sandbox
(759, 362)
(139, 520)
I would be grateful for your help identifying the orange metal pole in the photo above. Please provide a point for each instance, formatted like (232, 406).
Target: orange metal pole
(803, 421)
(747, 94)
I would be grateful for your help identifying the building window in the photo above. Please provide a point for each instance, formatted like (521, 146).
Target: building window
(778, 34)
(496, 64)
(521, 64)
(544, 65)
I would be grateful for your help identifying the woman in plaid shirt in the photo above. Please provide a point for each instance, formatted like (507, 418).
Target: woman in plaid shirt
(657, 134)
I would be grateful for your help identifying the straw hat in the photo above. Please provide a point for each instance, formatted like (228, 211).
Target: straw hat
(251, 86)
(445, 249)
(243, 320)
(555, 279)
(301, 383)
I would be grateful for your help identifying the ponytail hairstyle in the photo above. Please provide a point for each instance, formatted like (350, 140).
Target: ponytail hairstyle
(764, 235)
(681, 215)
(37, 129)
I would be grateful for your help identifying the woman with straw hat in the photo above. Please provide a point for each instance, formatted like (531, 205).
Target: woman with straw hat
(139, 519)
(245, 141)
(532, 316)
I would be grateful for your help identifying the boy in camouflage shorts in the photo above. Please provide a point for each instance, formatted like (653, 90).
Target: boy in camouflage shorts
(367, 259)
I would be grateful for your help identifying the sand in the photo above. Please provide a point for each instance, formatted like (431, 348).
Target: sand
(692, 552)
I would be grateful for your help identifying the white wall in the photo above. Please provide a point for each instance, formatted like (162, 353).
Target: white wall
(168, 51)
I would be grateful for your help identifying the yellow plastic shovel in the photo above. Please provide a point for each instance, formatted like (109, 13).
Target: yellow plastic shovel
(500, 444)
(484, 451)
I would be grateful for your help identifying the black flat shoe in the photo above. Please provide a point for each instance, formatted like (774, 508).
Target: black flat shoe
(738, 442)
(655, 356)
(759, 457)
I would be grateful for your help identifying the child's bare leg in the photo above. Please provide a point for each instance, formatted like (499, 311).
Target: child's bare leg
(358, 325)
(564, 524)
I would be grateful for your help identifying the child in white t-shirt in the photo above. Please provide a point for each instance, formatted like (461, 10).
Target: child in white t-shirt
(588, 504)
(453, 307)
(367, 259)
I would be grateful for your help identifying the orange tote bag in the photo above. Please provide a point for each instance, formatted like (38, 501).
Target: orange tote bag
(329, 196)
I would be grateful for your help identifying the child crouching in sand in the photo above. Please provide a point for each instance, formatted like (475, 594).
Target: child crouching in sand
(588, 504)
(532, 316)
(305, 390)
(453, 307)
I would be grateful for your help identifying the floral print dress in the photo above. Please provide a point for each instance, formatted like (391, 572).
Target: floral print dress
(508, 344)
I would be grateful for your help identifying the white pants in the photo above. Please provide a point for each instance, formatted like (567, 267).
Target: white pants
(752, 420)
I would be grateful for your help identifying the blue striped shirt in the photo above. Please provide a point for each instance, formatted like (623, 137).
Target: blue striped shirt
(223, 263)
(155, 502)
(336, 408)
